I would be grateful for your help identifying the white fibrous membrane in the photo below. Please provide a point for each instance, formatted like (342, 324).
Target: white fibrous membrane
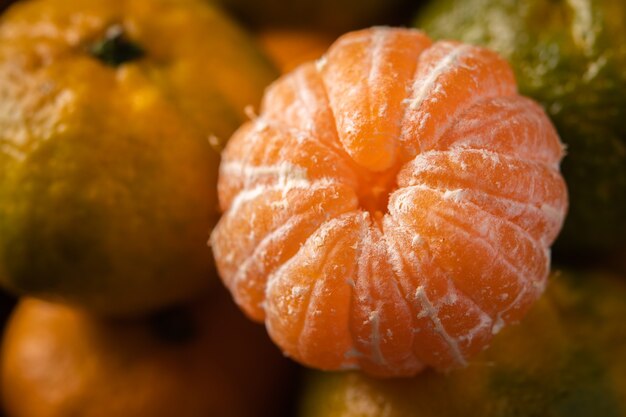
(393, 205)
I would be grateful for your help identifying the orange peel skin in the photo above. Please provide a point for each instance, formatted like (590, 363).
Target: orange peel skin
(392, 206)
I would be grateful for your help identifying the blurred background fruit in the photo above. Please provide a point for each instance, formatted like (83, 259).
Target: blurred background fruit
(111, 120)
(195, 361)
(96, 184)
(289, 48)
(571, 57)
(567, 358)
(7, 303)
(5, 3)
(335, 16)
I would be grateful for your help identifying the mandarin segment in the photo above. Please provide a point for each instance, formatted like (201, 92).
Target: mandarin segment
(472, 262)
(309, 297)
(267, 229)
(513, 125)
(299, 101)
(380, 310)
(520, 190)
(366, 113)
(268, 155)
(392, 206)
(450, 78)
(434, 344)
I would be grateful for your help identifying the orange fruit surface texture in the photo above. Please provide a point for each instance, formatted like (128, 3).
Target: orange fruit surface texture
(392, 206)
(187, 361)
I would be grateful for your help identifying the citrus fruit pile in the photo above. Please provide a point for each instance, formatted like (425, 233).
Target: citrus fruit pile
(386, 208)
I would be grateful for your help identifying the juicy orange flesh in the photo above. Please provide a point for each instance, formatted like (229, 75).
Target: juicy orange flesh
(392, 207)
(374, 190)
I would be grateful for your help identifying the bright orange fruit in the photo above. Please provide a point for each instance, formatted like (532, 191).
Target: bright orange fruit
(393, 205)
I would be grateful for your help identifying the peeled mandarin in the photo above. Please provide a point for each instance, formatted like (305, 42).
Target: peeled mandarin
(393, 205)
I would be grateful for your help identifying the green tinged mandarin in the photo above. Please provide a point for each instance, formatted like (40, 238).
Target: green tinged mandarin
(570, 56)
(567, 358)
(112, 115)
